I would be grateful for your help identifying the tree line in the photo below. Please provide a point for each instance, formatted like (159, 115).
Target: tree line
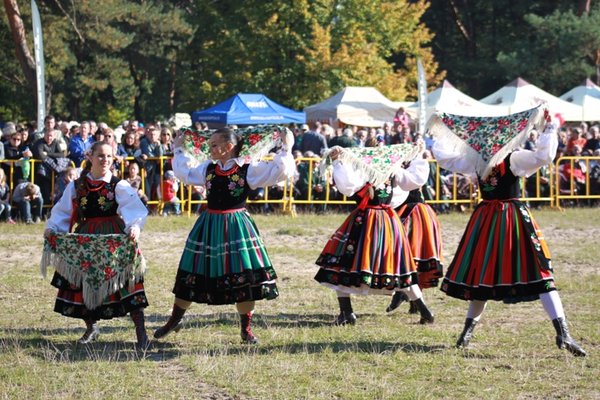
(147, 59)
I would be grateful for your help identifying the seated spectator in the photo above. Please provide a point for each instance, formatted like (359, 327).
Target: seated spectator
(5, 208)
(68, 176)
(171, 202)
(198, 194)
(135, 180)
(28, 199)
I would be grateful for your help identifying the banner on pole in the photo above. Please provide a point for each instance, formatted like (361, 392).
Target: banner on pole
(422, 86)
(38, 44)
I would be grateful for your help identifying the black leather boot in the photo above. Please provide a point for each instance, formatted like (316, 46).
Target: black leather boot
(173, 324)
(92, 332)
(426, 315)
(564, 339)
(137, 316)
(247, 335)
(413, 309)
(467, 333)
(397, 299)
(346, 314)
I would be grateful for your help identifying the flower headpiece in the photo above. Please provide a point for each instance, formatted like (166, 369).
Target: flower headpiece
(486, 141)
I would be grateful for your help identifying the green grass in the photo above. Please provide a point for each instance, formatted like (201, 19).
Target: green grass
(300, 355)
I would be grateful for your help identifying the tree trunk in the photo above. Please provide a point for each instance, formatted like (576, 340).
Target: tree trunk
(18, 32)
(172, 90)
(584, 7)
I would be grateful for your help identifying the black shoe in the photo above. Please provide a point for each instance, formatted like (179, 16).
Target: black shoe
(426, 315)
(173, 324)
(345, 318)
(564, 339)
(413, 309)
(166, 329)
(397, 299)
(467, 333)
(91, 334)
(143, 344)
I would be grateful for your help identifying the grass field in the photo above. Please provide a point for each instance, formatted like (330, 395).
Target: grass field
(301, 355)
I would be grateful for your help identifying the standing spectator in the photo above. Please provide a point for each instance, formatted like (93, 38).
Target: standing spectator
(130, 147)
(166, 142)
(593, 143)
(118, 151)
(312, 141)
(80, 144)
(151, 149)
(28, 199)
(343, 140)
(48, 150)
(15, 149)
(401, 118)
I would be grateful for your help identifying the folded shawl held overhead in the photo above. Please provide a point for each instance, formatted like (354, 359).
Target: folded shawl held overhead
(376, 163)
(257, 142)
(486, 141)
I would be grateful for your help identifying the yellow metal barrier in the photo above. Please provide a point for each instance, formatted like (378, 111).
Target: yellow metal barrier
(550, 185)
(573, 179)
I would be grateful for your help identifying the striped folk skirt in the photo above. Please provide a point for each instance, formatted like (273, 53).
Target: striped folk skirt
(69, 299)
(501, 256)
(425, 239)
(368, 254)
(225, 261)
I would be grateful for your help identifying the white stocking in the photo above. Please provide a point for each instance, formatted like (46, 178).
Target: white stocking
(476, 308)
(552, 304)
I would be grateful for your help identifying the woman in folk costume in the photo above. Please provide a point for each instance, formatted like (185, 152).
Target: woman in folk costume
(502, 254)
(369, 252)
(424, 237)
(99, 267)
(224, 260)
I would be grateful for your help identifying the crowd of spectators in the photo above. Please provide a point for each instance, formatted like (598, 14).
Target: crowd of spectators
(142, 154)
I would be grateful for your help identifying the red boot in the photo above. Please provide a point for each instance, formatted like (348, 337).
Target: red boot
(247, 335)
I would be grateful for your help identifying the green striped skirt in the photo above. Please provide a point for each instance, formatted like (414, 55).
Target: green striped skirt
(225, 261)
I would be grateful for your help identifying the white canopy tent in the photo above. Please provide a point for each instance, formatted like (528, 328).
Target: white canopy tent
(587, 96)
(447, 98)
(359, 106)
(520, 95)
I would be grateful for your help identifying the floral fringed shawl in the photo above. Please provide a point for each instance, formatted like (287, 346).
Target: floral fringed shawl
(486, 141)
(258, 141)
(99, 264)
(376, 163)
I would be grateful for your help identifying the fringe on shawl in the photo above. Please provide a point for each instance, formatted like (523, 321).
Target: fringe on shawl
(93, 298)
(373, 176)
(438, 130)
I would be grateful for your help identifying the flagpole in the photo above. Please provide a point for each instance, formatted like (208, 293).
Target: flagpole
(422, 86)
(38, 43)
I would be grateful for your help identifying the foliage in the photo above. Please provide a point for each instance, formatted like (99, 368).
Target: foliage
(153, 58)
(485, 44)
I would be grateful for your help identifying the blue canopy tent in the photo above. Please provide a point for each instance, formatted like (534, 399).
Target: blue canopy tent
(248, 109)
